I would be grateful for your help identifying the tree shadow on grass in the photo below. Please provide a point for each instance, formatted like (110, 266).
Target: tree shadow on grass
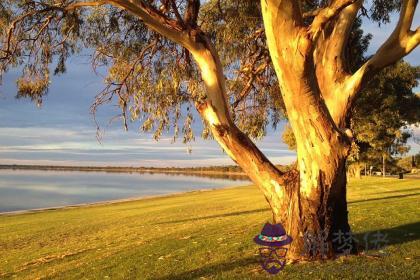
(395, 235)
(217, 216)
(383, 198)
(211, 269)
(267, 209)
(402, 190)
(392, 236)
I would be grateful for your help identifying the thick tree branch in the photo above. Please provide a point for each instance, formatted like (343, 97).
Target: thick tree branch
(235, 143)
(213, 109)
(400, 43)
(284, 11)
(77, 5)
(169, 28)
(191, 13)
(330, 61)
(312, 13)
(326, 14)
(153, 18)
(176, 12)
(338, 40)
(284, 29)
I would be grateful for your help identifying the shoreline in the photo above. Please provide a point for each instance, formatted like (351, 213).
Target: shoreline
(123, 169)
(112, 201)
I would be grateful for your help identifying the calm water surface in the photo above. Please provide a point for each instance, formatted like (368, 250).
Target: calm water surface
(31, 189)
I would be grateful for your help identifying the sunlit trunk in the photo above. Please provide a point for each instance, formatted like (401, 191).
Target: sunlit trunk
(358, 172)
(309, 200)
(355, 170)
(317, 199)
(214, 110)
(316, 202)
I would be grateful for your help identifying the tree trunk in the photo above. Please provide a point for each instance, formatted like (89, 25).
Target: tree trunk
(355, 170)
(310, 200)
(214, 110)
(358, 171)
(315, 204)
(383, 165)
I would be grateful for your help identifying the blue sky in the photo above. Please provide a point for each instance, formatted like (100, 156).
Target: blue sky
(62, 131)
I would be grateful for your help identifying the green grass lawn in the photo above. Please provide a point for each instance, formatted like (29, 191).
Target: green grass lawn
(203, 235)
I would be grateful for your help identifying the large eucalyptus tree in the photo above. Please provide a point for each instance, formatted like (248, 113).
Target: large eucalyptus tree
(163, 55)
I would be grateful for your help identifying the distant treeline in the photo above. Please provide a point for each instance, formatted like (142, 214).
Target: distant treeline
(230, 168)
(226, 169)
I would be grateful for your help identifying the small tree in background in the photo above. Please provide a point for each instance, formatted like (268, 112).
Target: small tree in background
(410, 163)
(382, 116)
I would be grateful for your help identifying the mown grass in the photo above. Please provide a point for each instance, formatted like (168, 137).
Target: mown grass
(202, 235)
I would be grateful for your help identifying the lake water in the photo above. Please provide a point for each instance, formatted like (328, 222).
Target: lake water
(32, 189)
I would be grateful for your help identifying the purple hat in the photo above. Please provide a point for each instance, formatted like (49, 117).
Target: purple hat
(272, 236)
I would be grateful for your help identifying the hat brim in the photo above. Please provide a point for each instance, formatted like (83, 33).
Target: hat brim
(287, 241)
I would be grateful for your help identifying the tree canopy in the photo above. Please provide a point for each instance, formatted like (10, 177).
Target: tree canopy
(384, 112)
(150, 77)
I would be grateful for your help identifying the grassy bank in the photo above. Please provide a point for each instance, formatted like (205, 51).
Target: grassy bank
(202, 235)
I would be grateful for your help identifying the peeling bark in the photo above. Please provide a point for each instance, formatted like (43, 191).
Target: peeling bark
(233, 141)
(318, 203)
